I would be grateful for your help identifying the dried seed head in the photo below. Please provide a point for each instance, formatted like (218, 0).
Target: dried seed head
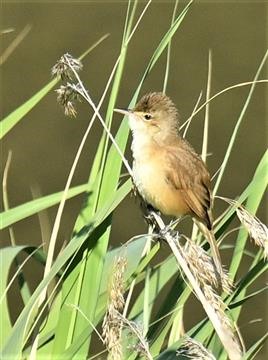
(258, 231)
(203, 267)
(141, 346)
(67, 95)
(193, 349)
(112, 323)
(64, 67)
(69, 92)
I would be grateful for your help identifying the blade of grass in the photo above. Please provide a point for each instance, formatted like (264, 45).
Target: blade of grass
(187, 123)
(19, 334)
(240, 118)
(32, 207)
(24, 288)
(7, 256)
(232, 87)
(169, 50)
(259, 178)
(163, 45)
(159, 338)
(252, 352)
(248, 297)
(93, 258)
(205, 131)
(14, 44)
(259, 184)
(12, 119)
(89, 208)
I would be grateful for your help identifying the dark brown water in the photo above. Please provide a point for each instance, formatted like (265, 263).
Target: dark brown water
(44, 143)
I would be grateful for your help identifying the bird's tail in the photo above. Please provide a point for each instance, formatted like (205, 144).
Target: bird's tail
(214, 250)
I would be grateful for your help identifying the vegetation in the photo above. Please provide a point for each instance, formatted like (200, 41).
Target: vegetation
(87, 290)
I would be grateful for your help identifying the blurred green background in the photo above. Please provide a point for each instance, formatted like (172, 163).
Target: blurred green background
(44, 143)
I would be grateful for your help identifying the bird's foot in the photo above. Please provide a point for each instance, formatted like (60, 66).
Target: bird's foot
(150, 219)
(167, 230)
(149, 216)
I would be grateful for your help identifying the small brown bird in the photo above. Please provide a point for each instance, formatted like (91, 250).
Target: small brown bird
(168, 173)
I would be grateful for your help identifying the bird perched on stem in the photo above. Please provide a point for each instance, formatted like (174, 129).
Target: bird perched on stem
(168, 174)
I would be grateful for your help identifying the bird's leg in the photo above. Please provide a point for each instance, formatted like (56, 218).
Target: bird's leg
(148, 213)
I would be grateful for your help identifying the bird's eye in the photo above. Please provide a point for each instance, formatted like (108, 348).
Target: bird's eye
(147, 117)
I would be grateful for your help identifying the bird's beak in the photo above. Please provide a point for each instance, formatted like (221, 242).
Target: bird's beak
(123, 111)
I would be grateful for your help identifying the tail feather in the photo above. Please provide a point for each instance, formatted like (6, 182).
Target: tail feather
(214, 250)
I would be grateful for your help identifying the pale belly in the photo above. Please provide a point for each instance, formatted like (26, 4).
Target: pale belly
(150, 180)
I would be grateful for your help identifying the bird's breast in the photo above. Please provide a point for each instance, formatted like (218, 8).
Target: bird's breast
(149, 173)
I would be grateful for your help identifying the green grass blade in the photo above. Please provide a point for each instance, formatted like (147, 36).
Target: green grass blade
(159, 339)
(7, 256)
(94, 258)
(71, 289)
(12, 119)
(169, 50)
(132, 252)
(15, 342)
(248, 297)
(248, 279)
(241, 116)
(110, 171)
(259, 184)
(32, 207)
(164, 42)
(159, 277)
(252, 352)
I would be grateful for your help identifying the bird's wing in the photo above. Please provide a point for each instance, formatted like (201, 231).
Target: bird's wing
(188, 174)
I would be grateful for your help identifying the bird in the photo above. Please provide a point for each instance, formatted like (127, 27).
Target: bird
(167, 172)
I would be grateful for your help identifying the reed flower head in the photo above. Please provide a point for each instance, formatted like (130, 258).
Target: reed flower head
(257, 231)
(67, 96)
(203, 267)
(112, 323)
(64, 67)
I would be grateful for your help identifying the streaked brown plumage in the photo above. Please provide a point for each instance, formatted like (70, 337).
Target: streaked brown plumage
(168, 173)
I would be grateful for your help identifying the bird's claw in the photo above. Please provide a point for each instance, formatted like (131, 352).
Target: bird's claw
(167, 230)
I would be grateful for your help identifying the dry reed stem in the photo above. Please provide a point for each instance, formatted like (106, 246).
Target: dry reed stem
(247, 83)
(210, 301)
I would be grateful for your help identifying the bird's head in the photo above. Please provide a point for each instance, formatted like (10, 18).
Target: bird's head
(154, 115)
